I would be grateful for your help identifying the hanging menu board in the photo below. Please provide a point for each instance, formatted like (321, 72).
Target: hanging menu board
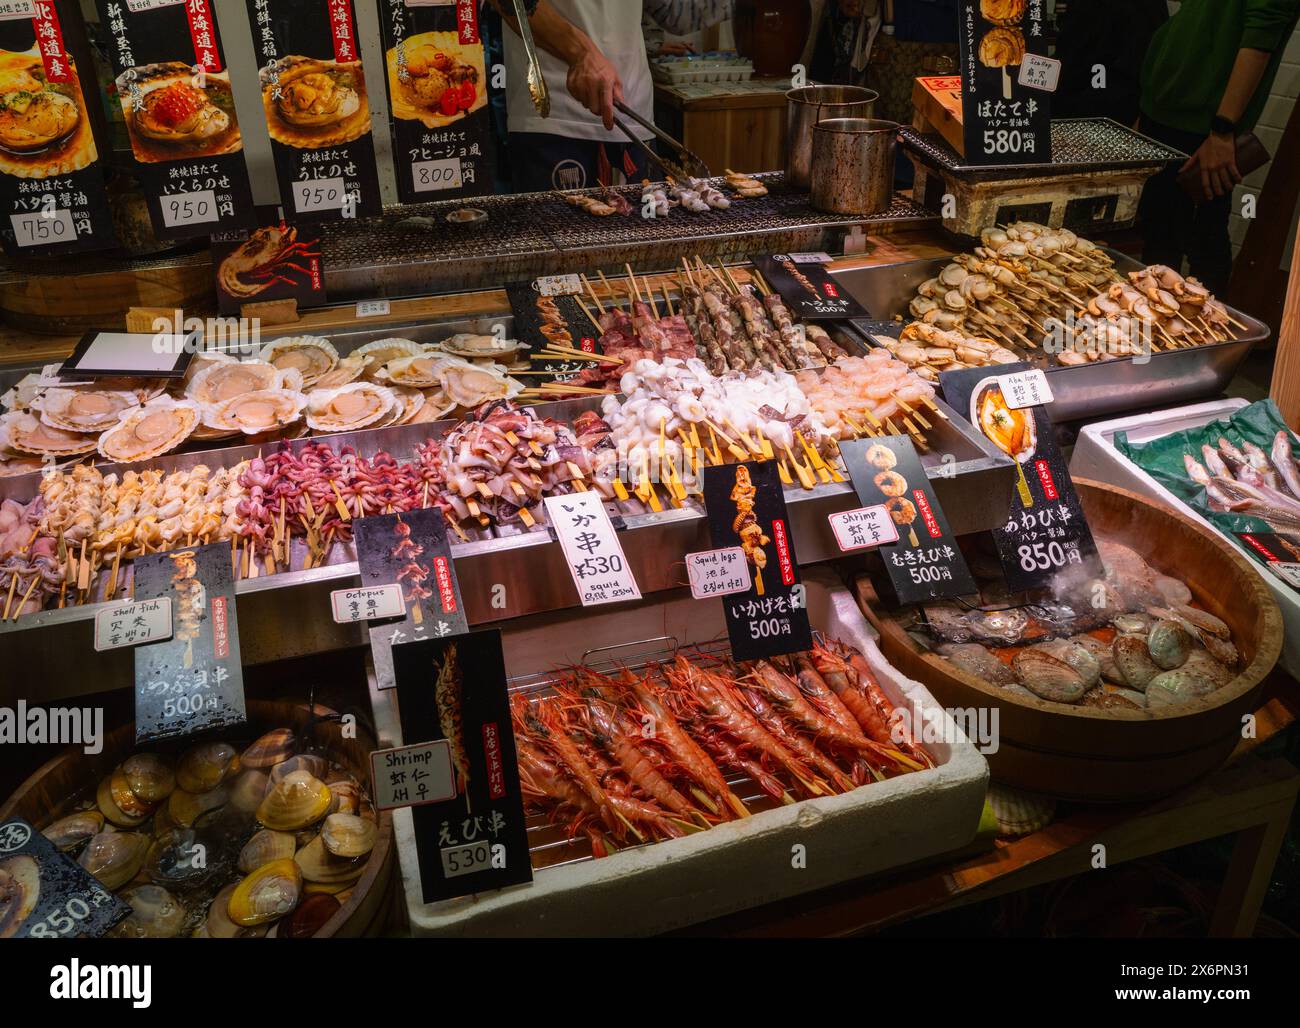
(437, 99)
(807, 287)
(316, 106)
(51, 181)
(277, 261)
(544, 319)
(1006, 108)
(179, 114)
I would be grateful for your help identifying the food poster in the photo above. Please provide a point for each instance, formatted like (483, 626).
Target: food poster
(1046, 533)
(51, 178)
(544, 322)
(807, 288)
(745, 505)
(455, 689)
(437, 99)
(1002, 44)
(174, 87)
(313, 93)
(275, 261)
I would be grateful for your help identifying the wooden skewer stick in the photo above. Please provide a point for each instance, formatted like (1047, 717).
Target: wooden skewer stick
(13, 587)
(631, 278)
(592, 290)
(668, 300)
(609, 289)
(26, 596)
(587, 311)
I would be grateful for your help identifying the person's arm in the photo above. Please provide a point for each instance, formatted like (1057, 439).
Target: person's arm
(682, 17)
(592, 80)
(1216, 158)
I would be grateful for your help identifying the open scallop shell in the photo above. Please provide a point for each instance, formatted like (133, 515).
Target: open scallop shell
(158, 427)
(218, 383)
(24, 432)
(262, 410)
(381, 351)
(470, 346)
(205, 359)
(418, 372)
(83, 410)
(469, 385)
(355, 405)
(349, 369)
(312, 356)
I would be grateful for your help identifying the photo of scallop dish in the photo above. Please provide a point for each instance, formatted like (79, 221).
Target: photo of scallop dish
(311, 103)
(434, 79)
(44, 129)
(1011, 431)
(173, 113)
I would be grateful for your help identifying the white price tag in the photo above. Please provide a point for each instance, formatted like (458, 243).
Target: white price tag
(189, 208)
(12, 10)
(432, 176)
(1038, 72)
(130, 624)
(1287, 571)
(41, 228)
(820, 257)
(1025, 389)
(558, 285)
(320, 194)
(466, 858)
(367, 603)
(372, 308)
(718, 572)
(410, 776)
(591, 549)
(864, 527)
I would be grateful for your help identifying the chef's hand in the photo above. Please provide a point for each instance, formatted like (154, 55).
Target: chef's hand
(595, 84)
(676, 49)
(1216, 160)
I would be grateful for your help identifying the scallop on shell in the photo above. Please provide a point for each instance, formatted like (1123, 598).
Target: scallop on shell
(26, 433)
(218, 383)
(419, 372)
(20, 890)
(469, 385)
(471, 345)
(312, 356)
(381, 351)
(262, 410)
(349, 369)
(83, 410)
(355, 405)
(158, 427)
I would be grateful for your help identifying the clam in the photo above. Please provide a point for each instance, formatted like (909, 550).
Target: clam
(125, 797)
(249, 789)
(380, 351)
(318, 864)
(218, 924)
(298, 800)
(347, 835)
(265, 846)
(1048, 677)
(1102, 652)
(1133, 660)
(107, 804)
(328, 888)
(177, 856)
(350, 407)
(114, 857)
(312, 763)
(83, 410)
(1081, 658)
(347, 795)
(270, 749)
(1168, 643)
(26, 433)
(149, 776)
(186, 808)
(20, 890)
(268, 893)
(420, 371)
(309, 917)
(158, 427)
(1170, 688)
(311, 356)
(68, 833)
(155, 914)
(205, 766)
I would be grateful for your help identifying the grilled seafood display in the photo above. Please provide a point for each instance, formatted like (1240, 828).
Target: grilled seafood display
(43, 130)
(169, 116)
(312, 103)
(433, 79)
(811, 724)
(281, 828)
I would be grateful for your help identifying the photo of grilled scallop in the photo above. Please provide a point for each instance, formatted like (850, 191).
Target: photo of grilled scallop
(1002, 12)
(43, 127)
(433, 79)
(172, 113)
(311, 103)
(1002, 48)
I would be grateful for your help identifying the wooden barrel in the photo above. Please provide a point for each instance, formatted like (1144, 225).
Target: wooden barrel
(1084, 753)
(53, 789)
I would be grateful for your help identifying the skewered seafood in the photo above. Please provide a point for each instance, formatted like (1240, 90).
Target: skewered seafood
(859, 392)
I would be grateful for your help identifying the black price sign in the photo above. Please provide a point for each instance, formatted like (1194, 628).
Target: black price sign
(45, 894)
(745, 504)
(179, 111)
(925, 562)
(437, 100)
(317, 109)
(193, 681)
(455, 690)
(1046, 532)
(51, 180)
(411, 550)
(543, 320)
(808, 288)
(1006, 78)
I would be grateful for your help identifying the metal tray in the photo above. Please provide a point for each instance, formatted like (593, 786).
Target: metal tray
(1082, 391)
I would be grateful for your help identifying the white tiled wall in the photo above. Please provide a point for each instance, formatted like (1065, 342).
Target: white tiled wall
(1286, 87)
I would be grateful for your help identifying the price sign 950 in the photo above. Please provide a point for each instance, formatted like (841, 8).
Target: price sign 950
(189, 208)
(41, 228)
(320, 194)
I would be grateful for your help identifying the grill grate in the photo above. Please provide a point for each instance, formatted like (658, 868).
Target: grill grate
(1078, 145)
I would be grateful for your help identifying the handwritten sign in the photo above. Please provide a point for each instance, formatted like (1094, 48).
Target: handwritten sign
(369, 603)
(1025, 388)
(373, 308)
(863, 528)
(591, 549)
(412, 775)
(718, 572)
(131, 624)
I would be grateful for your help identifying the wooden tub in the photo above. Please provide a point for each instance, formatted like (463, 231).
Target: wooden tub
(1083, 753)
(53, 789)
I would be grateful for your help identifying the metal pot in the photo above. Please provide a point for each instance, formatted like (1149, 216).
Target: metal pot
(853, 165)
(804, 108)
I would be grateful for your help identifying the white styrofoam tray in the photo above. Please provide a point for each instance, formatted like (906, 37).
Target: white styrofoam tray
(732, 866)
(1095, 456)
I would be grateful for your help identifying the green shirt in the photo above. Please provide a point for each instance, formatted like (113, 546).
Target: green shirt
(1191, 56)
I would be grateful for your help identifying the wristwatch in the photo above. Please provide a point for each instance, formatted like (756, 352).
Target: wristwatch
(1223, 126)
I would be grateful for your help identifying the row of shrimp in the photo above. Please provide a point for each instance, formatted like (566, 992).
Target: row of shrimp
(626, 758)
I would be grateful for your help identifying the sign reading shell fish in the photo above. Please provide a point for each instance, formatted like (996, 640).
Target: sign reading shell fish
(52, 197)
(317, 112)
(438, 100)
(180, 116)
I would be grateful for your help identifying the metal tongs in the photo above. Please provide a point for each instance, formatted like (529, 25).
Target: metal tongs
(690, 167)
(536, 84)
